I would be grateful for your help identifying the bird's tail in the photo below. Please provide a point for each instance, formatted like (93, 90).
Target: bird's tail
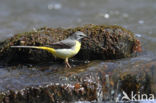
(52, 50)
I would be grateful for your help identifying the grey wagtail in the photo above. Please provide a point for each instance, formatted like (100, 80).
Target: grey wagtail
(64, 49)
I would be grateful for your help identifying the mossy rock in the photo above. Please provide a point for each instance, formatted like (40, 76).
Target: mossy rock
(105, 42)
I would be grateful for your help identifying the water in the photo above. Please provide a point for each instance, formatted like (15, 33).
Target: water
(24, 15)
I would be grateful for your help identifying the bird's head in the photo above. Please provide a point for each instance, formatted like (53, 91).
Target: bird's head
(78, 35)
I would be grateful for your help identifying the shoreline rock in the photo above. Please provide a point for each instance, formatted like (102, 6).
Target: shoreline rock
(90, 82)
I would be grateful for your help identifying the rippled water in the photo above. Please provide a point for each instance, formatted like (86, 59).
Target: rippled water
(24, 15)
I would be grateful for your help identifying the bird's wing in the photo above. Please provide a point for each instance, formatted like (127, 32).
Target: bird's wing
(64, 44)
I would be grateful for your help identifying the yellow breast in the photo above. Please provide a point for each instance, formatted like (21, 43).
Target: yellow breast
(77, 47)
(68, 53)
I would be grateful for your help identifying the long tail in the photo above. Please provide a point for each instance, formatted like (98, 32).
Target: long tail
(52, 50)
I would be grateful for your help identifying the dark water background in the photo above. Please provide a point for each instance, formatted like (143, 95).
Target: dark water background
(139, 16)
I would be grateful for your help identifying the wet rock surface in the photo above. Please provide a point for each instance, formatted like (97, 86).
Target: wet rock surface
(104, 42)
(50, 82)
(95, 81)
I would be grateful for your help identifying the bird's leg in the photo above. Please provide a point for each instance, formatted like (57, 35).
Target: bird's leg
(67, 63)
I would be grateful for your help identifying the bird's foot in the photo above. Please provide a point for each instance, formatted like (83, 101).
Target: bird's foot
(68, 65)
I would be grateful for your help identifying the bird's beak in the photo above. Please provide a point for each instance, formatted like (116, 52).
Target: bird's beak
(86, 36)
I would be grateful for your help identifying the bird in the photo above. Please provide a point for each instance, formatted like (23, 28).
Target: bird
(63, 49)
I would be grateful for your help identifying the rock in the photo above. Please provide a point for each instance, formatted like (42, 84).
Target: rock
(95, 81)
(104, 42)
